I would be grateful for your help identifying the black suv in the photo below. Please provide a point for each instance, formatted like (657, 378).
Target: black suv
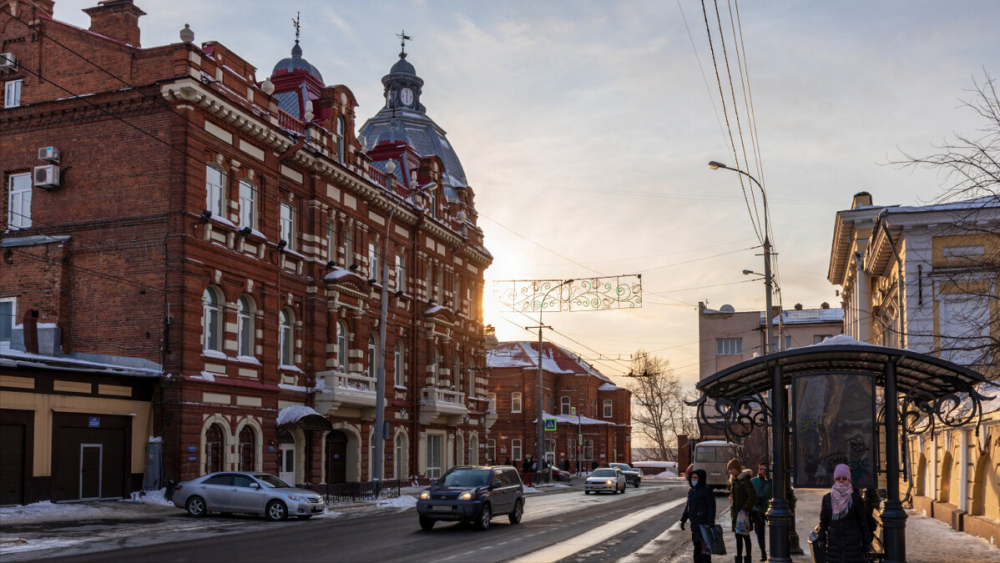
(474, 494)
(632, 476)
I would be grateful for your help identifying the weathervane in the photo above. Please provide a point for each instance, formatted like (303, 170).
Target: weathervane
(296, 23)
(403, 38)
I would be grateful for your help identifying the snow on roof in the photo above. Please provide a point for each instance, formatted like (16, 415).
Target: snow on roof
(840, 340)
(338, 274)
(978, 203)
(17, 358)
(555, 359)
(295, 413)
(608, 387)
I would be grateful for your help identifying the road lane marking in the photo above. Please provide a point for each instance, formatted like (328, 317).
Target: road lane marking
(654, 547)
(598, 535)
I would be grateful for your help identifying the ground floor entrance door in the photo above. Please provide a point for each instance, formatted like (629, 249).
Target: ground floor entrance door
(286, 457)
(12, 464)
(336, 457)
(91, 467)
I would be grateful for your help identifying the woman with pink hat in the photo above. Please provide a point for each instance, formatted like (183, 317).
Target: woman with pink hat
(842, 522)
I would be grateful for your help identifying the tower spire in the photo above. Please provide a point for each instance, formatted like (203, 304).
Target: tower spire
(297, 23)
(403, 38)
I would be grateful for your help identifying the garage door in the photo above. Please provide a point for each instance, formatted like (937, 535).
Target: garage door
(12, 463)
(89, 462)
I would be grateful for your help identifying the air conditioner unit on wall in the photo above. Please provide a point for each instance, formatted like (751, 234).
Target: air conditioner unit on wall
(49, 154)
(46, 176)
(8, 62)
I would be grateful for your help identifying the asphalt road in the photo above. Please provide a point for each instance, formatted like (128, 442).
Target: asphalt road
(601, 528)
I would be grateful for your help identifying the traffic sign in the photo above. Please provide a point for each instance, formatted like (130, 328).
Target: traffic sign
(550, 425)
(572, 411)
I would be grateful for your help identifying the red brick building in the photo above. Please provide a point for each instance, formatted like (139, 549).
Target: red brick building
(601, 431)
(224, 232)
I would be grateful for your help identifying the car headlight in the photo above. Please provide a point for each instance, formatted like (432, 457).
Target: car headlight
(425, 495)
(298, 498)
(607, 482)
(466, 496)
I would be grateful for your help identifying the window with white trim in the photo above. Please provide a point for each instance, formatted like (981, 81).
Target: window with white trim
(491, 451)
(286, 340)
(401, 452)
(564, 405)
(244, 326)
(728, 346)
(348, 246)
(400, 273)
(215, 191)
(211, 320)
(372, 356)
(19, 201)
(341, 149)
(399, 359)
(12, 93)
(515, 449)
(515, 402)
(287, 224)
(248, 204)
(8, 312)
(342, 346)
(373, 265)
(607, 408)
(331, 242)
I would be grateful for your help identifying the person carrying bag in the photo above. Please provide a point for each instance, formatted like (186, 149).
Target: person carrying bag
(743, 497)
(700, 511)
(843, 525)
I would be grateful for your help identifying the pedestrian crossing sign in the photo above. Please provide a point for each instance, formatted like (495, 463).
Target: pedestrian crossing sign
(550, 425)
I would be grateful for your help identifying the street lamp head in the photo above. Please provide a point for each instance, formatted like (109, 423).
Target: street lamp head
(390, 167)
(748, 272)
(716, 165)
(428, 187)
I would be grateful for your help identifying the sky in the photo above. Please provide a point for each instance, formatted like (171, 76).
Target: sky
(585, 129)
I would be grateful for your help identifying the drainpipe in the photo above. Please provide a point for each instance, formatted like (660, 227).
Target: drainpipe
(963, 463)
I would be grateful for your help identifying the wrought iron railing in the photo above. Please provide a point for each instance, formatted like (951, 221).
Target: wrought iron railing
(357, 492)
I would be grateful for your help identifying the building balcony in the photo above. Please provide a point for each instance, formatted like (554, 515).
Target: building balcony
(340, 390)
(442, 405)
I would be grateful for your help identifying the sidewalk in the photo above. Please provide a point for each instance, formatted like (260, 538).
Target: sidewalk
(927, 540)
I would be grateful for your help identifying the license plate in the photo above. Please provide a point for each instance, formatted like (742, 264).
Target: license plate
(441, 508)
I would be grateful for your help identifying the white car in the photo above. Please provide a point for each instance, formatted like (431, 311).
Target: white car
(606, 479)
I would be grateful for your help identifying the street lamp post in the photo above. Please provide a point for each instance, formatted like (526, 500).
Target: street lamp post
(539, 423)
(770, 344)
(382, 322)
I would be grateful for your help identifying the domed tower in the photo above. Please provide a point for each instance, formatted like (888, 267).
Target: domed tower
(297, 82)
(404, 119)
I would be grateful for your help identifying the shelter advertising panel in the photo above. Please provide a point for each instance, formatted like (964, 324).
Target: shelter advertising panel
(834, 421)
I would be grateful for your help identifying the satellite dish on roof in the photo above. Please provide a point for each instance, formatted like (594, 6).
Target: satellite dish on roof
(727, 309)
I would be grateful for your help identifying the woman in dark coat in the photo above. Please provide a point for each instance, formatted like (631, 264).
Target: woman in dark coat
(700, 510)
(842, 521)
(742, 498)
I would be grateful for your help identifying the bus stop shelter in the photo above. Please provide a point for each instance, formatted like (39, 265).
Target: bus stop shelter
(840, 402)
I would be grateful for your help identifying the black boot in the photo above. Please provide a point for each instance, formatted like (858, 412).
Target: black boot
(763, 555)
(748, 558)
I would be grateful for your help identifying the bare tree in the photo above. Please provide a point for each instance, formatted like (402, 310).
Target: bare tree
(659, 414)
(970, 165)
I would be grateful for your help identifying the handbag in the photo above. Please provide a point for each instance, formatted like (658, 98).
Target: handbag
(743, 526)
(817, 546)
(712, 540)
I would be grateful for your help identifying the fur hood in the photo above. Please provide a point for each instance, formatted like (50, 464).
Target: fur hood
(745, 475)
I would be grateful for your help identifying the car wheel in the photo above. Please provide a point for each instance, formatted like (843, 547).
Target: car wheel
(276, 510)
(586, 492)
(485, 515)
(426, 523)
(637, 484)
(196, 507)
(515, 517)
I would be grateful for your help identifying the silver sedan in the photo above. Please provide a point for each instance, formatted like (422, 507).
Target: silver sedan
(252, 493)
(607, 479)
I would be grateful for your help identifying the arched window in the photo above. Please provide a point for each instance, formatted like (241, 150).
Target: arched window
(372, 356)
(214, 448)
(211, 320)
(248, 449)
(248, 204)
(286, 340)
(564, 406)
(342, 346)
(287, 225)
(341, 149)
(215, 191)
(399, 359)
(244, 325)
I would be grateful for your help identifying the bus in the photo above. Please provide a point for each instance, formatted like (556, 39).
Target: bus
(712, 456)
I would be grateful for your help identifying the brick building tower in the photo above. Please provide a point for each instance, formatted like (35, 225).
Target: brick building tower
(198, 253)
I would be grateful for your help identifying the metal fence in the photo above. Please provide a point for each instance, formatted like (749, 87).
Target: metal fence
(357, 492)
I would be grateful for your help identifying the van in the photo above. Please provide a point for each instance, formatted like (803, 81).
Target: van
(712, 456)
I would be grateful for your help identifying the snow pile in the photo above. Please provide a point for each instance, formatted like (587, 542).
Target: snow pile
(151, 497)
(295, 413)
(402, 501)
(530, 490)
(664, 475)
